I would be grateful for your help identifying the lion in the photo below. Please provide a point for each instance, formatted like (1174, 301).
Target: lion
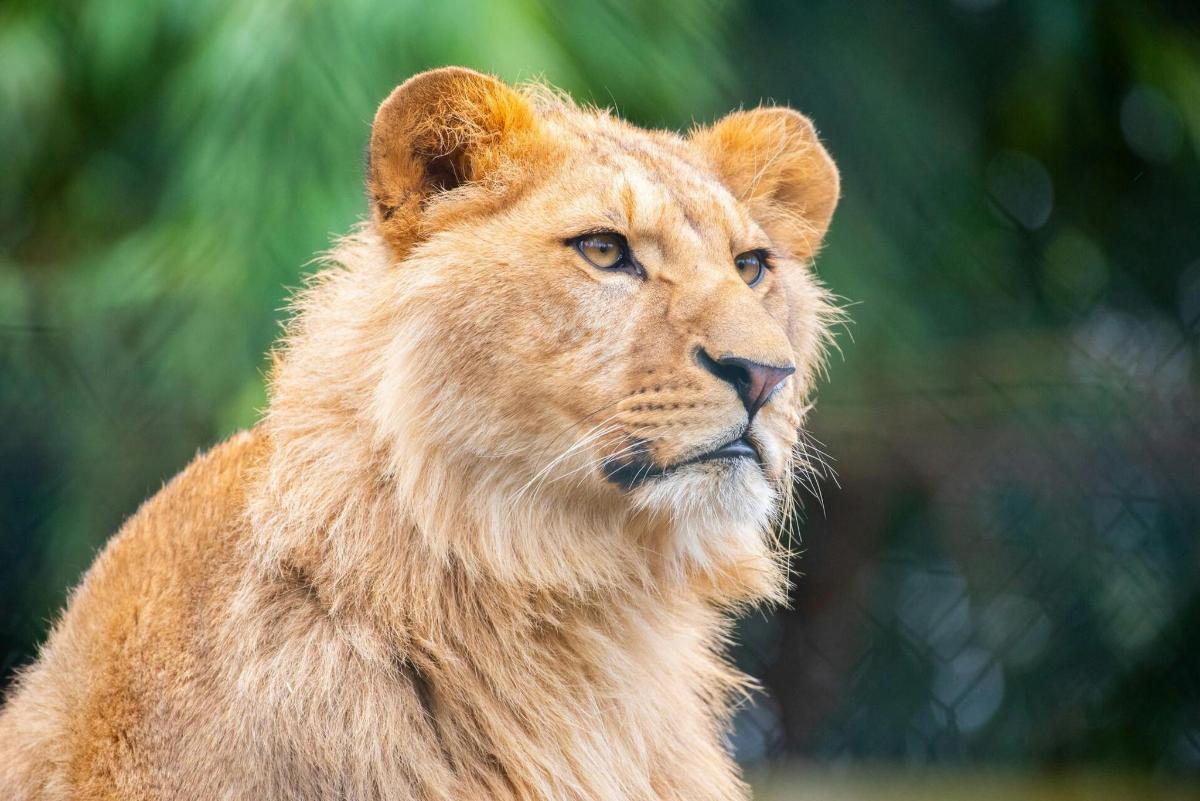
(529, 435)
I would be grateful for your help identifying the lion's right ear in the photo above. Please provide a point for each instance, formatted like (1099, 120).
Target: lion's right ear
(434, 133)
(771, 160)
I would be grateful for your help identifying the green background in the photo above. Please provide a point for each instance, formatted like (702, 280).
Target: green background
(1005, 572)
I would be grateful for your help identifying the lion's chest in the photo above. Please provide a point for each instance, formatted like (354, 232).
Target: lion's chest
(530, 726)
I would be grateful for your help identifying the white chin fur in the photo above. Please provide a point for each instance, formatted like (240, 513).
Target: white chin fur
(720, 510)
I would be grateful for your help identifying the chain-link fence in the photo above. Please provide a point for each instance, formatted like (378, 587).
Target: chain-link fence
(1009, 570)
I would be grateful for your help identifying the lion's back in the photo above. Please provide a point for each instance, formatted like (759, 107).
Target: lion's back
(105, 682)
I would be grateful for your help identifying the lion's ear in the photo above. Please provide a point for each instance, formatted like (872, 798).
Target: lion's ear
(771, 160)
(434, 133)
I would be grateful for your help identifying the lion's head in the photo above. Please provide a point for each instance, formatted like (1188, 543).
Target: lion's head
(570, 347)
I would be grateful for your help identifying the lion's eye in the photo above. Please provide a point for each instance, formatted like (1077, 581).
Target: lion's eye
(605, 251)
(750, 267)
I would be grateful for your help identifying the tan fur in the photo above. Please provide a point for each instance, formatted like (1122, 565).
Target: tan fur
(413, 580)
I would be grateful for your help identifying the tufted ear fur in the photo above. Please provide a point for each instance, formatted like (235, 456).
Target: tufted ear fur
(437, 132)
(771, 160)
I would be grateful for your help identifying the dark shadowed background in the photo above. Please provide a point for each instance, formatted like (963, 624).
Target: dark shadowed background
(1003, 580)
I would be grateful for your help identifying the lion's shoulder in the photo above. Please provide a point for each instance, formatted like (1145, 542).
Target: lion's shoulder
(125, 640)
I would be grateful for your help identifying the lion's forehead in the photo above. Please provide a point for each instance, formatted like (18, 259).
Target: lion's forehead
(653, 185)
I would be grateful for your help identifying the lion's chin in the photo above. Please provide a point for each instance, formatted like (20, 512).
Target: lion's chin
(719, 516)
(711, 498)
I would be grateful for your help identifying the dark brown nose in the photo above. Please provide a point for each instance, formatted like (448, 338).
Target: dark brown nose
(753, 381)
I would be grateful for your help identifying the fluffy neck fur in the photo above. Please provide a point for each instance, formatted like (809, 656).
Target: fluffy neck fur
(556, 637)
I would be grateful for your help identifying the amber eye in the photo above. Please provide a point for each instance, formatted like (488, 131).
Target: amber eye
(606, 251)
(751, 266)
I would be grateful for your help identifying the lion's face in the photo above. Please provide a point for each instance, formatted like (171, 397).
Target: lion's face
(622, 317)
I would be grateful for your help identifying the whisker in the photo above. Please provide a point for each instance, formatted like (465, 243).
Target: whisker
(601, 460)
(593, 434)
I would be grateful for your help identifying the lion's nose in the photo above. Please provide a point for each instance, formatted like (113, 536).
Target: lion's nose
(753, 381)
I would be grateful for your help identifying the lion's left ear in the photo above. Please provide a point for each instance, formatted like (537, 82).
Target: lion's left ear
(771, 160)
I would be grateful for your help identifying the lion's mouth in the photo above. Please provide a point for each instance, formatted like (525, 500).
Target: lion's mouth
(633, 470)
(741, 448)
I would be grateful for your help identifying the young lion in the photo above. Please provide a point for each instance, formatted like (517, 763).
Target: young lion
(527, 436)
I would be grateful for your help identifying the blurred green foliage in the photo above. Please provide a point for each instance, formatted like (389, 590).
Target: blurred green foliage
(1010, 569)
